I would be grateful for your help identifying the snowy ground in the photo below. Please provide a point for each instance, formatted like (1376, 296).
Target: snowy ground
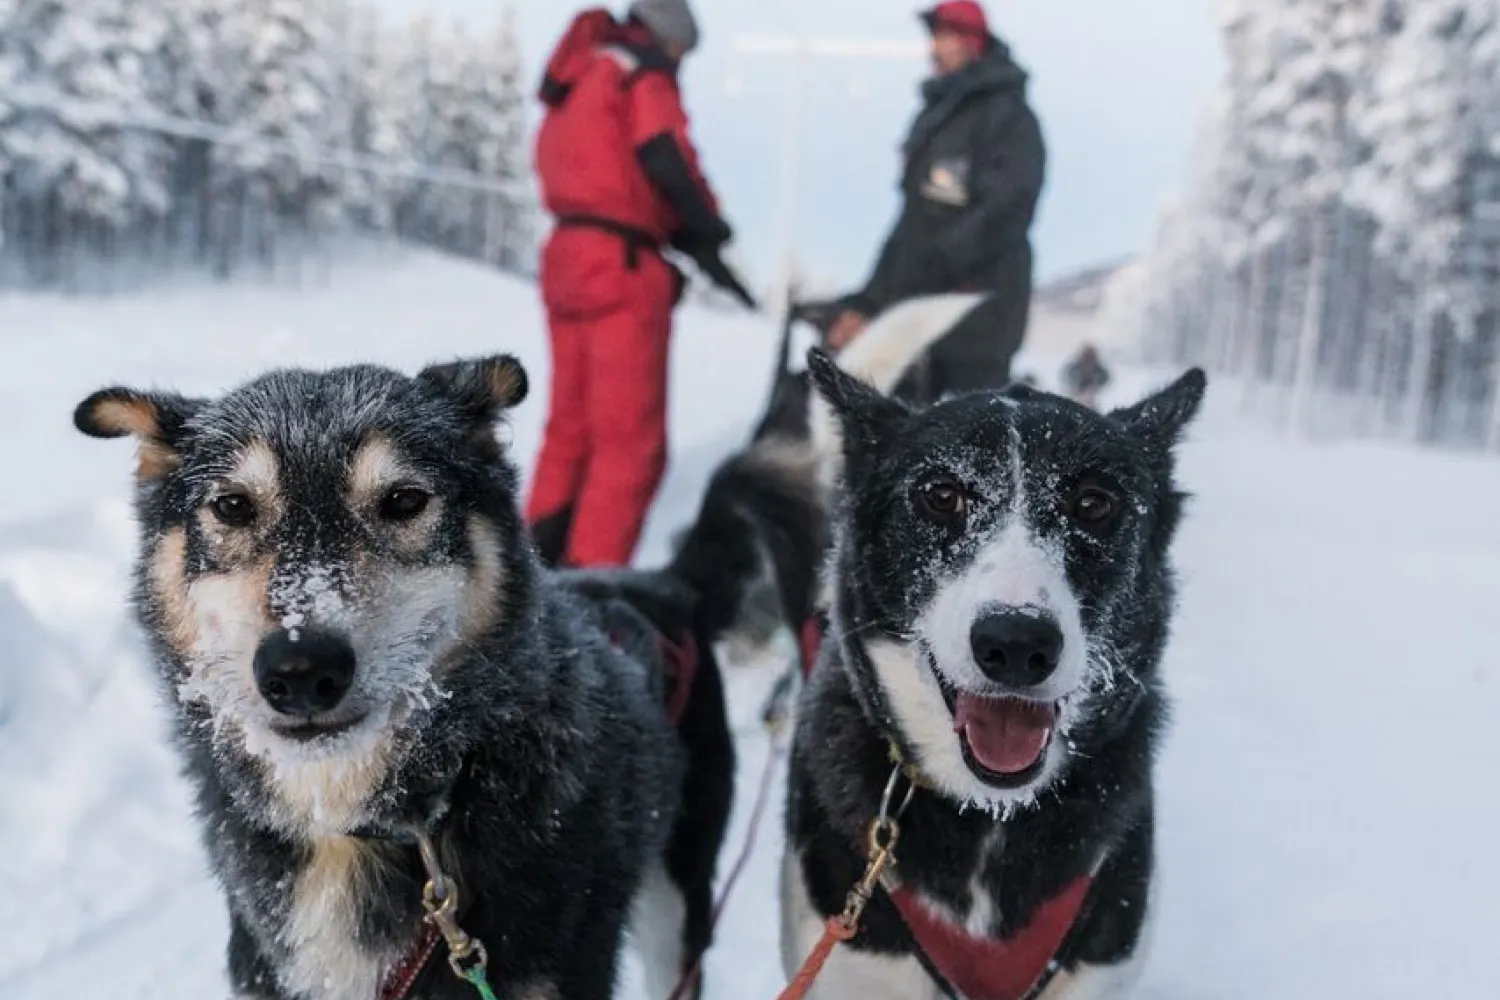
(1328, 821)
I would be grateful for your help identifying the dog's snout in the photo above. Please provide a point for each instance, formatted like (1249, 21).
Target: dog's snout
(1016, 647)
(305, 673)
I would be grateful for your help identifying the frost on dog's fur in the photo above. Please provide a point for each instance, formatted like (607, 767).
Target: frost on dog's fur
(316, 556)
(357, 642)
(1018, 508)
(1018, 549)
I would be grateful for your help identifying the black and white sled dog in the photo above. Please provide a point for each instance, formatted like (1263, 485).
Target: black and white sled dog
(1000, 596)
(362, 654)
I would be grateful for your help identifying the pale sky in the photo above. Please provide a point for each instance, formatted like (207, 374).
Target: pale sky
(1118, 86)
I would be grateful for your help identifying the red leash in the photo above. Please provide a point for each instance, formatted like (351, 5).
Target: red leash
(757, 816)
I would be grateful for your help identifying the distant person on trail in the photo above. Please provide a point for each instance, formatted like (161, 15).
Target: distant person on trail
(620, 176)
(974, 168)
(1085, 377)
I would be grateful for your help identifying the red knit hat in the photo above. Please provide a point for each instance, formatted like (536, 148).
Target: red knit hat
(963, 16)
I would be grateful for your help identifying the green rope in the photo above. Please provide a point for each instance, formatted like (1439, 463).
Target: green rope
(481, 982)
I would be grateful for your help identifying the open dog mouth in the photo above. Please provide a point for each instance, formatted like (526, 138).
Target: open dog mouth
(308, 730)
(1004, 739)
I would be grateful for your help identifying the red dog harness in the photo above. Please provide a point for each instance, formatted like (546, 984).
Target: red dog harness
(681, 663)
(1018, 967)
(679, 668)
(399, 981)
(809, 642)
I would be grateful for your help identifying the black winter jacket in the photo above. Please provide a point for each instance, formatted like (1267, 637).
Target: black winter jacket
(974, 168)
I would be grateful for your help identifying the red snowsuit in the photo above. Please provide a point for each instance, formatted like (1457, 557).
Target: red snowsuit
(620, 175)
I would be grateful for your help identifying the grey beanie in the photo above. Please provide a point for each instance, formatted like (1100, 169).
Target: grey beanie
(671, 21)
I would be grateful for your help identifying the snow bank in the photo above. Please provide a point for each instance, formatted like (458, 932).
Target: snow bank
(1326, 825)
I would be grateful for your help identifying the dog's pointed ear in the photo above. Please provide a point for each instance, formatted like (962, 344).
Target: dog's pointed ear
(483, 388)
(863, 412)
(157, 420)
(1163, 417)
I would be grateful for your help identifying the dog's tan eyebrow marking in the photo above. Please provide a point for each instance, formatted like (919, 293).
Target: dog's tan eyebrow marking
(257, 472)
(376, 467)
(257, 469)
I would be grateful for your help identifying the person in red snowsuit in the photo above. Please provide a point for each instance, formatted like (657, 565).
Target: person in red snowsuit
(621, 178)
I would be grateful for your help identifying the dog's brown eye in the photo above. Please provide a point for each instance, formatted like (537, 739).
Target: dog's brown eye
(1093, 507)
(404, 503)
(943, 500)
(233, 509)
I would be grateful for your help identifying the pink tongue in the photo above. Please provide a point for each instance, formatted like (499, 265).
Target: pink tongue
(1006, 735)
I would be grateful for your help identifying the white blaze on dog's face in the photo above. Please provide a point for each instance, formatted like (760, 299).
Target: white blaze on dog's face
(991, 672)
(988, 552)
(320, 550)
(1005, 644)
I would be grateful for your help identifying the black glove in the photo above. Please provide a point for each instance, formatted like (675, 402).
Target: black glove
(699, 245)
(720, 274)
(705, 254)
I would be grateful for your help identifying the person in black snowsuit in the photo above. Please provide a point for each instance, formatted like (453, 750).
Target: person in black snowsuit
(975, 163)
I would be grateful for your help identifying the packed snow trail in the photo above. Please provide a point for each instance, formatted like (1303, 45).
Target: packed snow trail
(1326, 822)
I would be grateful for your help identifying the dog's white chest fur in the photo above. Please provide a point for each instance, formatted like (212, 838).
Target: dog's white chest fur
(326, 960)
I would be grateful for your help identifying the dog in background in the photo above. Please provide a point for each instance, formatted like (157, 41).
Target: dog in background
(1085, 377)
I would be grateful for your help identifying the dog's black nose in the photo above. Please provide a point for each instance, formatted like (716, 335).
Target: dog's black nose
(305, 672)
(1018, 648)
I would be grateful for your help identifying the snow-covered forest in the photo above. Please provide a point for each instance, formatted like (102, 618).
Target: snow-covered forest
(1338, 247)
(138, 136)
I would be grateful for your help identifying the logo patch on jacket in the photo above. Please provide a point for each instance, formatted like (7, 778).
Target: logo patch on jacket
(948, 182)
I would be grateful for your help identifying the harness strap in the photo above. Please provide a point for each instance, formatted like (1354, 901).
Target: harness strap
(399, 981)
(681, 663)
(810, 641)
(680, 669)
(635, 240)
(1015, 968)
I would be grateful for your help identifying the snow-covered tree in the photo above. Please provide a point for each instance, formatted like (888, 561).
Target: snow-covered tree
(237, 123)
(81, 75)
(400, 126)
(475, 110)
(1349, 217)
(504, 154)
(281, 84)
(1329, 45)
(1428, 124)
(12, 72)
(358, 51)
